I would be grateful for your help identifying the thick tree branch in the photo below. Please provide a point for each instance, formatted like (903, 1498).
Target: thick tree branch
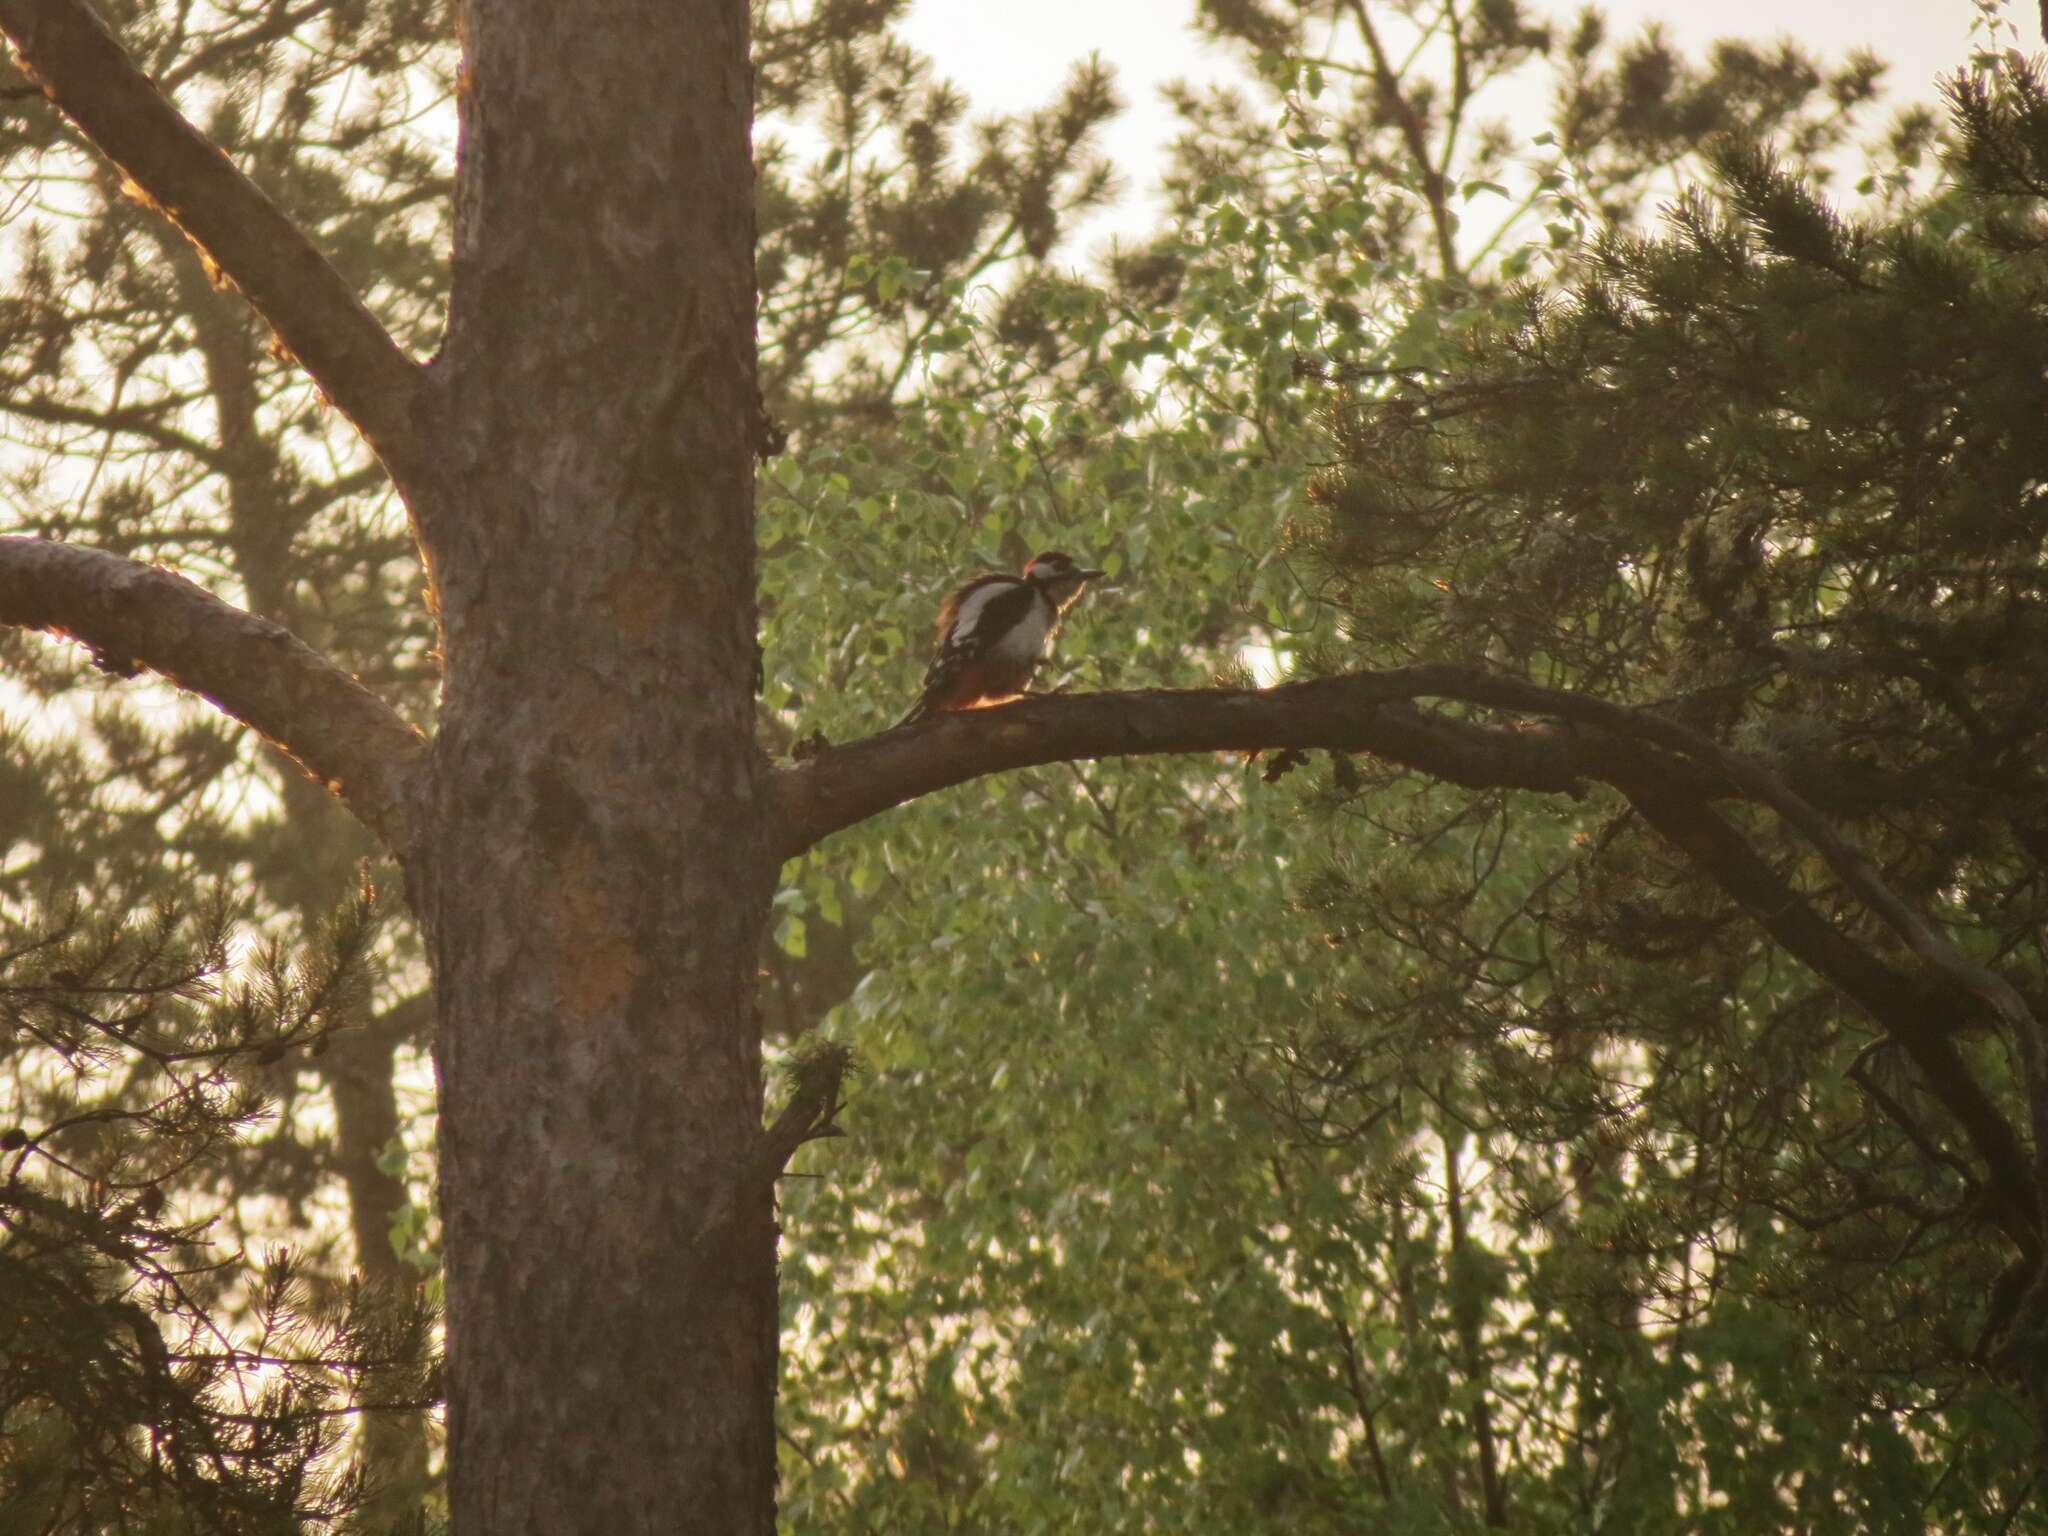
(135, 615)
(1368, 712)
(1670, 772)
(80, 67)
(1752, 780)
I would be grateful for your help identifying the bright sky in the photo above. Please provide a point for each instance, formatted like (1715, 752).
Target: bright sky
(1011, 57)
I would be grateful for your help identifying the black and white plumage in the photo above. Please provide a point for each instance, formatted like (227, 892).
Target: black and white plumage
(995, 630)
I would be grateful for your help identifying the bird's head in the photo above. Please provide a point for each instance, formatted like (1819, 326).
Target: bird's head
(1061, 579)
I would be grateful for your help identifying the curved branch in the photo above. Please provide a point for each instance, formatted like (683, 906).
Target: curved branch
(81, 68)
(1366, 712)
(1753, 780)
(1908, 1009)
(1352, 714)
(135, 615)
(1670, 772)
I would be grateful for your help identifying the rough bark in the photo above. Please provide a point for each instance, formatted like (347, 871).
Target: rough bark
(1370, 712)
(135, 616)
(595, 879)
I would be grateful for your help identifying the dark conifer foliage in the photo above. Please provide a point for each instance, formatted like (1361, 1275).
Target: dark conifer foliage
(149, 413)
(1773, 475)
(138, 1052)
(875, 195)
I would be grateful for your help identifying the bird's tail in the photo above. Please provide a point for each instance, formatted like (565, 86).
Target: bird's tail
(918, 711)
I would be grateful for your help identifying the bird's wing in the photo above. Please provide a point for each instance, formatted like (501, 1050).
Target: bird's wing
(968, 598)
(986, 610)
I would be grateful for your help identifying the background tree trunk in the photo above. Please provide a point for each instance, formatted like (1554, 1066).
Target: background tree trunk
(594, 880)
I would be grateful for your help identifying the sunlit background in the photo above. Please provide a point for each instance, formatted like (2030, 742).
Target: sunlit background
(1011, 58)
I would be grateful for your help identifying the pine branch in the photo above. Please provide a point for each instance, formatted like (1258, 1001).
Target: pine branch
(1367, 712)
(1670, 772)
(80, 67)
(132, 421)
(1752, 780)
(1912, 1013)
(140, 616)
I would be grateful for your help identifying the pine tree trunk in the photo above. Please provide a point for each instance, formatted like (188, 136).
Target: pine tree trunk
(596, 882)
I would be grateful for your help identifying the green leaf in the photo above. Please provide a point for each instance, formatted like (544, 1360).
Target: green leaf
(790, 937)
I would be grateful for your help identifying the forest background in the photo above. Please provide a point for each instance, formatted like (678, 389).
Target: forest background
(1290, 1144)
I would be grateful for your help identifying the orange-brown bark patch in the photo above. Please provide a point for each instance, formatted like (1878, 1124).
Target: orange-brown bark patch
(595, 964)
(642, 602)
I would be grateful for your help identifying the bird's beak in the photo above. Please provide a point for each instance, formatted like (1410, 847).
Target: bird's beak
(1091, 575)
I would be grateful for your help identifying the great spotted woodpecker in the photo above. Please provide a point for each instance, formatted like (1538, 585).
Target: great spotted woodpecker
(994, 631)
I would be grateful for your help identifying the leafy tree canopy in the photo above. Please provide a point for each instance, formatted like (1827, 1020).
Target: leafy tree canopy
(1430, 1258)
